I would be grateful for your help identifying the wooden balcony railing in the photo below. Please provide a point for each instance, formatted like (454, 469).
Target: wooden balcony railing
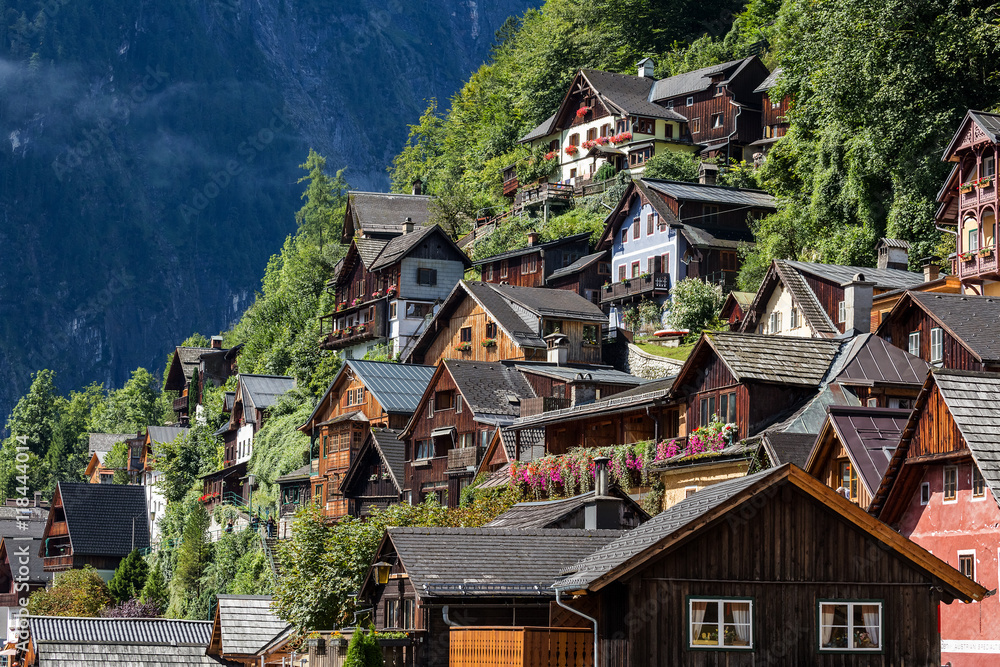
(536, 406)
(646, 285)
(541, 192)
(57, 562)
(181, 404)
(462, 458)
(333, 338)
(521, 647)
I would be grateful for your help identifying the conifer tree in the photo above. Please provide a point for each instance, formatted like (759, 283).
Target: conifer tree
(130, 577)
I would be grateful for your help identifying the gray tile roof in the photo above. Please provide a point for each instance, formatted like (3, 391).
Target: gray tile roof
(369, 249)
(770, 82)
(883, 278)
(491, 561)
(397, 387)
(625, 401)
(629, 94)
(491, 389)
(517, 252)
(122, 655)
(532, 444)
(263, 391)
(247, 623)
(393, 453)
(15, 542)
(691, 82)
(165, 434)
(870, 436)
(103, 442)
(146, 631)
(871, 359)
(973, 399)
(974, 320)
(384, 213)
(804, 298)
(190, 358)
(543, 129)
(577, 266)
(523, 330)
(660, 527)
(295, 475)
(780, 359)
(402, 245)
(548, 514)
(577, 372)
(100, 518)
(782, 448)
(712, 194)
(551, 303)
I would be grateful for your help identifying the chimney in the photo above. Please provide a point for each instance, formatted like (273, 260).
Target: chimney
(931, 270)
(583, 390)
(408, 226)
(646, 68)
(418, 187)
(602, 476)
(216, 342)
(38, 498)
(558, 348)
(533, 238)
(858, 296)
(893, 254)
(707, 173)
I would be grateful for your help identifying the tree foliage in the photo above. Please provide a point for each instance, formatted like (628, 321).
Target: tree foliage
(193, 557)
(129, 409)
(117, 459)
(130, 578)
(74, 593)
(694, 305)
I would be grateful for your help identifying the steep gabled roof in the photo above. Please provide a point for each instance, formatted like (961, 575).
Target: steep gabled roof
(183, 365)
(883, 278)
(700, 511)
(543, 129)
(693, 82)
(396, 387)
(577, 266)
(972, 320)
(165, 434)
(628, 94)
(784, 447)
(10, 552)
(874, 361)
(262, 391)
(550, 303)
(491, 389)
(244, 624)
(627, 401)
(383, 214)
(385, 444)
(804, 297)
(770, 82)
(400, 246)
(989, 123)
(100, 518)
(710, 194)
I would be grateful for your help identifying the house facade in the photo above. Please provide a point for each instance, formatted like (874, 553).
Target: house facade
(940, 490)
(531, 266)
(662, 232)
(191, 367)
(774, 119)
(375, 479)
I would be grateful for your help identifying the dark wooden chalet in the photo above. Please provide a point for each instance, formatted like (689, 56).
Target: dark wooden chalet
(196, 366)
(946, 330)
(743, 573)
(496, 577)
(294, 491)
(386, 288)
(489, 322)
(364, 394)
(661, 232)
(94, 524)
(532, 265)
(585, 276)
(968, 201)
(734, 308)
(610, 510)
(255, 394)
(878, 374)
(376, 476)
(455, 419)
(242, 628)
(774, 119)
(853, 449)
(820, 300)
(941, 489)
(383, 215)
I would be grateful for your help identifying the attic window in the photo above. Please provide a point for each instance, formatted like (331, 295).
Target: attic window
(978, 483)
(720, 90)
(690, 101)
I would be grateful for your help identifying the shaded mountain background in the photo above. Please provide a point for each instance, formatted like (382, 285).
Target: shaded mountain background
(149, 155)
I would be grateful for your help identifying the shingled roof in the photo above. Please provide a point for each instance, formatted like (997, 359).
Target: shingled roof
(577, 266)
(770, 82)
(784, 447)
(778, 359)
(386, 445)
(100, 518)
(103, 442)
(694, 81)
(244, 624)
(628, 94)
(490, 561)
(183, 365)
(404, 244)
(973, 320)
(883, 278)
(550, 514)
(989, 123)
(384, 213)
(492, 389)
(552, 303)
(543, 129)
(803, 297)
(547, 245)
(13, 544)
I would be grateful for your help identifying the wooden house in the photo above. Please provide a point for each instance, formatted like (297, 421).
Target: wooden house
(21, 567)
(532, 265)
(397, 267)
(99, 445)
(496, 577)
(242, 629)
(878, 374)
(191, 367)
(774, 119)
(585, 276)
(255, 394)
(741, 573)
(363, 395)
(882, 304)
(734, 308)
(99, 642)
(294, 491)
(941, 489)
(661, 232)
(968, 201)
(815, 300)
(376, 477)
(946, 330)
(94, 524)
(489, 322)
(611, 509)
(853, 449)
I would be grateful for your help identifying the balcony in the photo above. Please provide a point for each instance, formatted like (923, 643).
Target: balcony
(536, 406)
(648, 285)
(56, 563)
(181, 404)
(520, 647)
(975, 195)
(977, 264)
(540, 193)
(727, 279)
(334, 338)
(463, 458)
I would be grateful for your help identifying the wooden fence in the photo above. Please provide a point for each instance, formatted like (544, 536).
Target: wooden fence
(521, 647)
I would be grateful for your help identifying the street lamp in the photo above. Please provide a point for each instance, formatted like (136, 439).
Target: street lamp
(381, 570)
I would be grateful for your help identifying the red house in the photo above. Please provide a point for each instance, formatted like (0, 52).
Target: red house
(941, 490)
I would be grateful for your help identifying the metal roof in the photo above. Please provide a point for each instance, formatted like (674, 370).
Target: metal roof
(837, 273)
(870, 436)
(872, 360)
(263, 391)
(105, 519)
(543, 129)
(714, 194)
(578, 265)
(517, 252)
(691, 82)
(163, 434)
(144, 631)
(397, 387)
(581, 373)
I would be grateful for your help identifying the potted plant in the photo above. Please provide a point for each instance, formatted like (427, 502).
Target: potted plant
(985, 182)
(337, 639)
(966, 187)
(489, 342)
(582, 111)
(986, 251)
(626, 282)
(968, 256)
(356, 301)
(390, 290)
(314, 640)
(376, 294)
(607, 286)
(644, 275)
(572, 150)
(463, 347)
(550, 156)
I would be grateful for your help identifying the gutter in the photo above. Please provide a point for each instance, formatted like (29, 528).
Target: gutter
(581, 614)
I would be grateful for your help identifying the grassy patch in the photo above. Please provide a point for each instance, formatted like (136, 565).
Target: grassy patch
(680, 352)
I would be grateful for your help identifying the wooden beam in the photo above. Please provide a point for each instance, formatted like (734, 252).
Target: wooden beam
(937, 458)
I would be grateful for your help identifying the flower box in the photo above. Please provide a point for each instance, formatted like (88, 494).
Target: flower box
(985, 182)
(489, 342)
(607, 287)
(355, 302)
(572, 150)
(395, 641)
(376, 294)
(626, 282)
(965, 187)
(463, 347)
(582, 111)
(986, 252)
(391, 290)
(968, 256)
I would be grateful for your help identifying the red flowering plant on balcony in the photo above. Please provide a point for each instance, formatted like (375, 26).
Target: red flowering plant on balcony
(583, 111)
(572, 150)
(601, 141)
(356, 301)
(621, 138)
(551, 155)
(208, 497)
(390, 290)
(376, 294)
(589, 143)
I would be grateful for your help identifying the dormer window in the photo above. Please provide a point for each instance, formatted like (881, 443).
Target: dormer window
(690, 101)
(720, 90)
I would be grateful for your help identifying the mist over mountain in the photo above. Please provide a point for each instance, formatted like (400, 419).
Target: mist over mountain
(149, 155)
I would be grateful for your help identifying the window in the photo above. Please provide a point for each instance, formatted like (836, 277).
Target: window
(620, 125)
(645, 126)
(392, 310)
(690, 491)
(604, 268)
(967, 563)
(716, 121)
(399, 614)
(590, 334)
(325, 450)
(841, 312)
(668, 131)
(727, 407)
(532, 262)
(318, 493)
(466, 440)
(793, 321)
(333, 487)
(418, 311)
(635, 227)
(849, 480)
(695, 125)
(649, 224)
(425, 449)
(491, 329)
(489, 273)
(728, 260)
(651, 265)
(591, 134)
(635, 269)
(850, 626)
(989, 166)
(711, 214)
(707, 410)
(621, 273)
(665, 262)
(640, 156)
(605, 129)
(624, 235)
(914, 343)
(774, 323)
(973, 240)
(950, 484)
(444, 400)
(720, 90)
(504, 268)
(978, 483)
(574, 140)
(552, 326)
(690, 101)
(465, 333)
(720, 623)
(427, 277)
(937, 345)
(925, 493)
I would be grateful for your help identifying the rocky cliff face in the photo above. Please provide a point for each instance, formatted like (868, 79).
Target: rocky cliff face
(149, 155)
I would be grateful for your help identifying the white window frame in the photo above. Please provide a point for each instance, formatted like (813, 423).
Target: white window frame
(794, 319)
(991, 170)
(944, 485)
(925, 487)
(958, 561)
(841, 312)
(690, 491)
(972, 483)
(913, 343)
(850, 625)
(721, 624)
(937, 345)
(690, 101)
